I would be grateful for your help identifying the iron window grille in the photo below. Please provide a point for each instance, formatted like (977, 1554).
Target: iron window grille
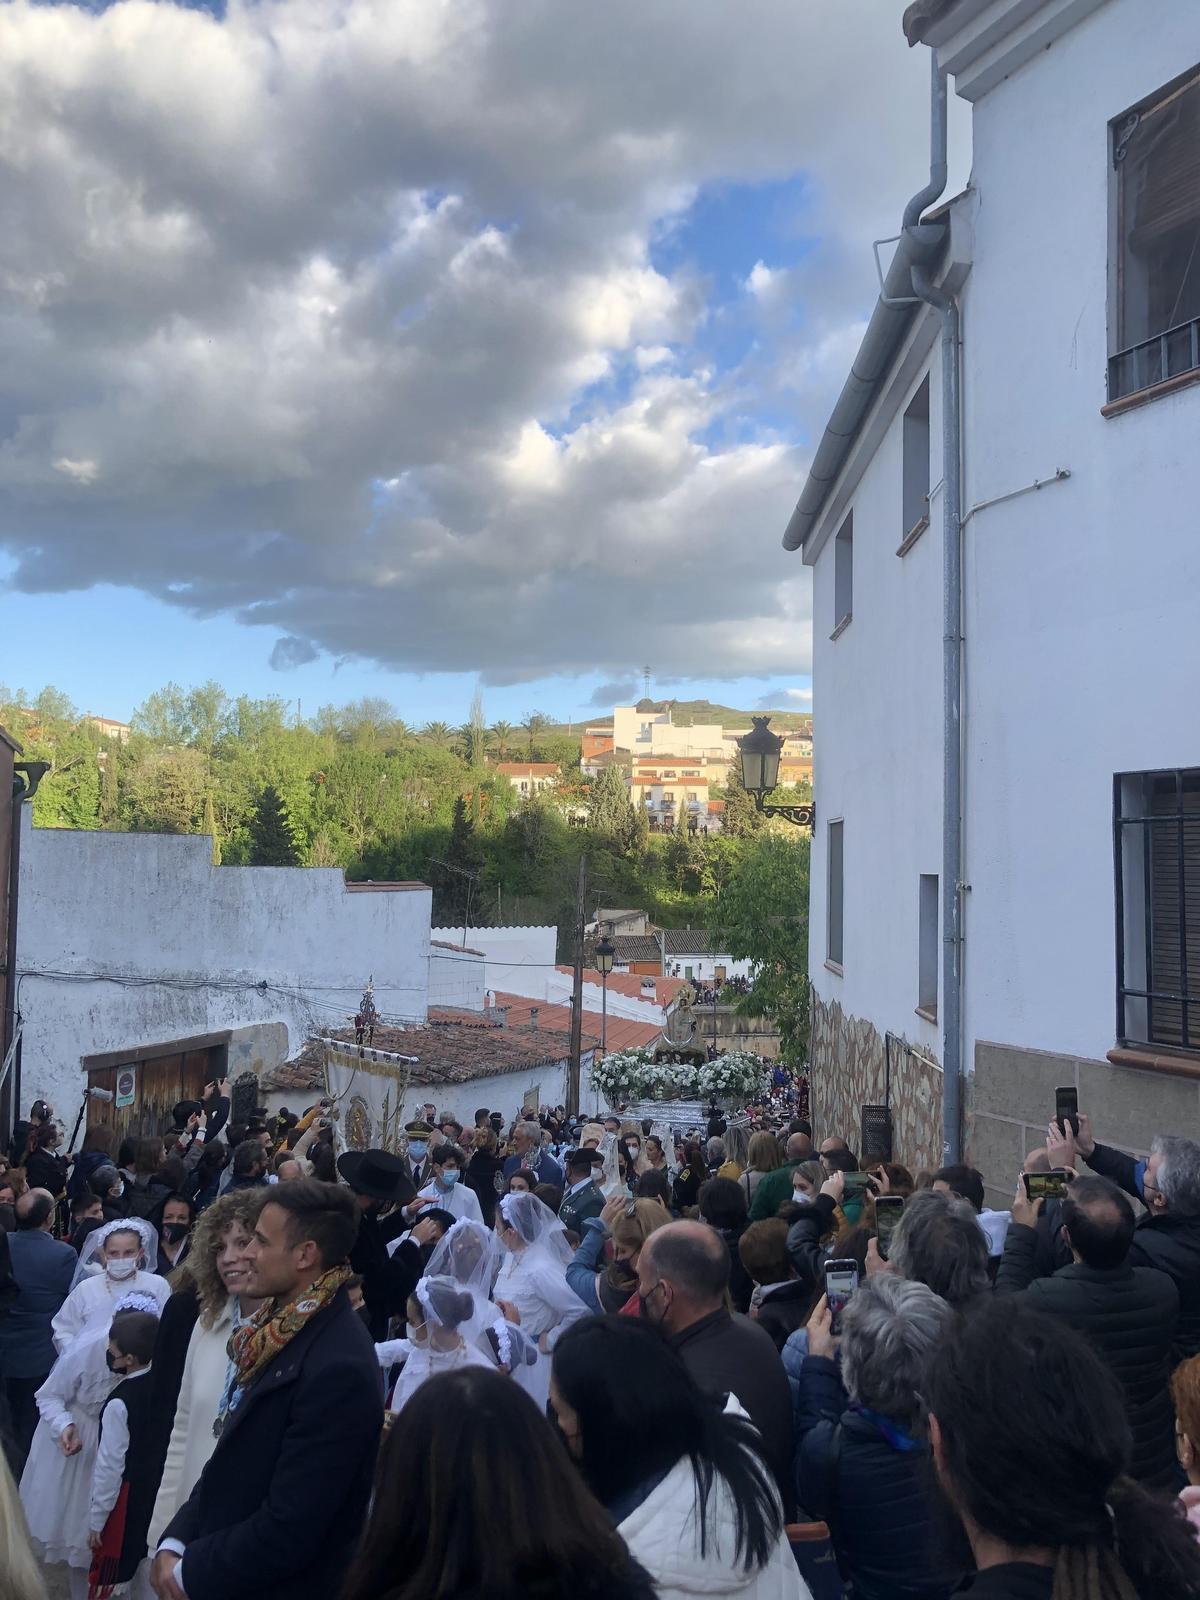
(1156, 848)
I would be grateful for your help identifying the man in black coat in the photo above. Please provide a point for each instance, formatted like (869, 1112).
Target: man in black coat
(584, 1198)
(1168, 1237)
(280, 1505)
(379, 1180)
(683, 1275)
(1129, 1314)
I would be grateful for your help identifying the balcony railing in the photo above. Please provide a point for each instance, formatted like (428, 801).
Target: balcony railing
(1154, 361)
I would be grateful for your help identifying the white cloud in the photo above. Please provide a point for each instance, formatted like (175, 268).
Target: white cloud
(338, 293)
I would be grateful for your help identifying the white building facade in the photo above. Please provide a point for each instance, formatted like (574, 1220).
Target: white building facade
(1079, 741)
(143, 966)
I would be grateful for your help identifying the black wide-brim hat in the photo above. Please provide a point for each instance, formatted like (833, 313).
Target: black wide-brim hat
(377, 1173)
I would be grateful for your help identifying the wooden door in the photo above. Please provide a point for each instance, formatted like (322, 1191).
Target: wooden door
(159, 1083)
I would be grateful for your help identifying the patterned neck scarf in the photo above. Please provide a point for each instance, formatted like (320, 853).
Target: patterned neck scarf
(254, 1345)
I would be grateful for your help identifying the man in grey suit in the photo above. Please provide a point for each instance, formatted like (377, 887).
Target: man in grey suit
(43, 1269)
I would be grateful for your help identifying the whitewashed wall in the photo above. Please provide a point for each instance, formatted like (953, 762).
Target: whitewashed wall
(1083, 653)
(153, 906)
(512, 959)
(455, 977)
(704, 968)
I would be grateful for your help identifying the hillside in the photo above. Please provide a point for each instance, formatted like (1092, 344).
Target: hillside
(687, 713)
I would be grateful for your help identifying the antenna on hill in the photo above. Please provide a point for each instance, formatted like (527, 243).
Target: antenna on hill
(646, 681)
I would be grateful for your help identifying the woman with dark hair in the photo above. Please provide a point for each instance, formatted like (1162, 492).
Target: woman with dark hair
(44, 1168)
(494, 1513)
(685, 1191)
(1032, 1446)
(683, 1480)
(204, 1184)
(723, 1207)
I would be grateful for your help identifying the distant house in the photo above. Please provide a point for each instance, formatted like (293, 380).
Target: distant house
(690, 954)
(529, 777)
(109, 728)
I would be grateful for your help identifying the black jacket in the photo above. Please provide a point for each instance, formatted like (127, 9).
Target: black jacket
(387, 1280)
(727, 1354)
(480, 1178)
(804, 1246)
(1129, 1315)
(45, 1170)
(784, 1310)
(280, 1505)
(876, 1498)
(741, 1284)
(1162, 1240)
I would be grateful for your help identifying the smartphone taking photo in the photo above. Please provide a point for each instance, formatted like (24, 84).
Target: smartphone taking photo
(1066, 1110)
(841, 1280)
(889, 1208)
(1046, 1185)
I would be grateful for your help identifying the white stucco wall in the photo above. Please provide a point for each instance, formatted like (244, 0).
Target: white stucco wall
(153, 906)
(703, 968)
(512, 958)
(1081, 648)
(455, 976)
(877, 760)
(1083, 653)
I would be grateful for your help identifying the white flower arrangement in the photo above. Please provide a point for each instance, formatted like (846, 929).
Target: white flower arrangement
(629, 1075)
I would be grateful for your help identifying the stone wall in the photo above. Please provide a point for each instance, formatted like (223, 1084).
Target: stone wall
(848, 1063)
(1011, 1100)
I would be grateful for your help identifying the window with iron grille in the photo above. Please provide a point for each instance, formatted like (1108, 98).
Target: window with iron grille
(1156, 160)
(1156, 823)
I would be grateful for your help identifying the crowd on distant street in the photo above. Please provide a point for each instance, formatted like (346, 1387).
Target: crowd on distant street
(561, 1357)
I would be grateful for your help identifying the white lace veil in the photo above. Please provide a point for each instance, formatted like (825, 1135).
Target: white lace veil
(533, 1222)
(89, 1266)
(469, 1253)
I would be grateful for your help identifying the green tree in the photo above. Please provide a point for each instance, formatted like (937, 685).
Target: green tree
(110, 809)
(473, 735)
(608, 805)
(741, 819)
(272, 841)
(438, 734)
(165, 791)
(502, 735)
(210, 828)
(762, 917)
(536, 722)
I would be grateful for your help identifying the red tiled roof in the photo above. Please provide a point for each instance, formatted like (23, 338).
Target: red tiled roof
(445, 1053)
(440, 1015)
(629, 983)
(620, 1034)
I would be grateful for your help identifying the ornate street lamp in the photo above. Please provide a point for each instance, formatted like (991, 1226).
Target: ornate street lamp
(606, 954)
(760, 750)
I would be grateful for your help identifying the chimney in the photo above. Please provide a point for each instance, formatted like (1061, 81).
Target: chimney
(533, 1016)
(501, 1012)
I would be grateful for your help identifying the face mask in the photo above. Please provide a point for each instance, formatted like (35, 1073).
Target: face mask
(449, 1178)
(173, 1232)
(801, 1199)
(634, 1150)
(119, 1271)
(417, 1149)
(112, 1362)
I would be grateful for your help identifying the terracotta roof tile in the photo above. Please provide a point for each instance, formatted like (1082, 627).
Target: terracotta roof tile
(666, 990)
(620, 1033)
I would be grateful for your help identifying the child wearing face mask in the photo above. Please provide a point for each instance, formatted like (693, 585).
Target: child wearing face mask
(56, 1486)
(441, 1317)
(122, 1491)
(112, 1264)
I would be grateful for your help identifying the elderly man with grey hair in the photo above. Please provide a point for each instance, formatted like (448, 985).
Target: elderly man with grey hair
(862, 1464)
(938, 1242)
(1168, 1184)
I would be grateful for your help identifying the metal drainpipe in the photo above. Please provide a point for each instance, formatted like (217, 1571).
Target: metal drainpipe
(952, 643)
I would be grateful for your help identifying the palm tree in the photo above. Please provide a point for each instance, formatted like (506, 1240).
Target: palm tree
(534, 724)
(502, 733)
(472, 744)
(440, 734)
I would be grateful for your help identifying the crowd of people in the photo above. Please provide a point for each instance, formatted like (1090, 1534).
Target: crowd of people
(561, 1358)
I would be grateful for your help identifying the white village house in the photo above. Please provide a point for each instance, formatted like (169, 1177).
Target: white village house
(1018, 906)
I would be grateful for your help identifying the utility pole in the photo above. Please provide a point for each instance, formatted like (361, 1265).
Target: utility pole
(577, 993)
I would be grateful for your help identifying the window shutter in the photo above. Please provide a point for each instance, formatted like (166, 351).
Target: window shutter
(1164, 157)
(1169, 932)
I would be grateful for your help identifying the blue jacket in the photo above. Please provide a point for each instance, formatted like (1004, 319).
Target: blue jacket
(587, 1261)
(875, 1496)
(546, 1169)
(43, 1268)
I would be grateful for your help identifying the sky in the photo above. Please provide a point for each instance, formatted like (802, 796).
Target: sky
(400, 347)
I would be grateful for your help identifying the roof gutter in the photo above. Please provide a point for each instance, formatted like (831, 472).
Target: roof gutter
(921, 245)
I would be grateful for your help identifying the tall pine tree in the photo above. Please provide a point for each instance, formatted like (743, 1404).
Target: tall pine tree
(272, 841)
(741, 819)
